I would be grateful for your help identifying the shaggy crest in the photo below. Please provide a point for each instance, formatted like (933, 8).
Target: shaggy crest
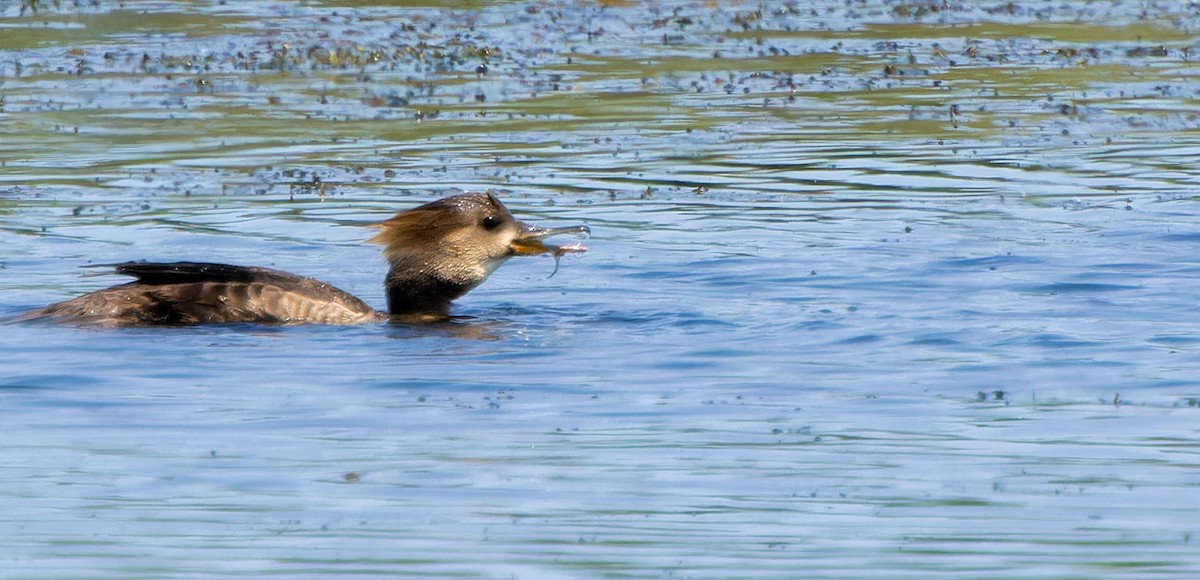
(427, 224)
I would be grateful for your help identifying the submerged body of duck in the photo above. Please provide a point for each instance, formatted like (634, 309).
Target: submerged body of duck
(436, 253)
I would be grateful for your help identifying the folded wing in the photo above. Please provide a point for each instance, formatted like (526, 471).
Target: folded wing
(199, 293)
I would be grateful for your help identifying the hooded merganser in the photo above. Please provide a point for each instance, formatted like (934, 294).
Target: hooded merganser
(436, 252)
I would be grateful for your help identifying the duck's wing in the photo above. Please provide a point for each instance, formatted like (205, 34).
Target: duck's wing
(183, 272)
(200, 293)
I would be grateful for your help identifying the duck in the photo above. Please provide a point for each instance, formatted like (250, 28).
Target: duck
(436, 252)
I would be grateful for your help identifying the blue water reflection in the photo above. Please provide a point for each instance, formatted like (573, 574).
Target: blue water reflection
(836, 335)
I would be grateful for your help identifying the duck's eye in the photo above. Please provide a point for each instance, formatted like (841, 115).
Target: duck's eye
(491, 222)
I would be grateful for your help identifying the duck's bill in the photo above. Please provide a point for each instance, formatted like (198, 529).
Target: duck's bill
(529, 242)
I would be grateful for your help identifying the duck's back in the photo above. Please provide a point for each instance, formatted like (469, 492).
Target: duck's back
(201, 293)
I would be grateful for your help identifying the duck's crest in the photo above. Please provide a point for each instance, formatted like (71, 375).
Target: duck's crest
(426, 224)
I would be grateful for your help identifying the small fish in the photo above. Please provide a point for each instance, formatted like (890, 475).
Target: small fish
(560, 251)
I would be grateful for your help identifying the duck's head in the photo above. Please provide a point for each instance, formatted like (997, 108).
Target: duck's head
(441, 250)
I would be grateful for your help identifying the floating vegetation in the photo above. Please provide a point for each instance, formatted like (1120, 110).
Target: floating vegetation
(695, 73)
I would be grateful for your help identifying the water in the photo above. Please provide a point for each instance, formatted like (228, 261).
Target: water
(879, 290)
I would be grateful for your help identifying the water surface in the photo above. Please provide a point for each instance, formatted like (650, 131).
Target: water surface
(887, 288)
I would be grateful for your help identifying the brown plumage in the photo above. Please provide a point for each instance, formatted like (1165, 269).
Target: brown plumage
(436, 253)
